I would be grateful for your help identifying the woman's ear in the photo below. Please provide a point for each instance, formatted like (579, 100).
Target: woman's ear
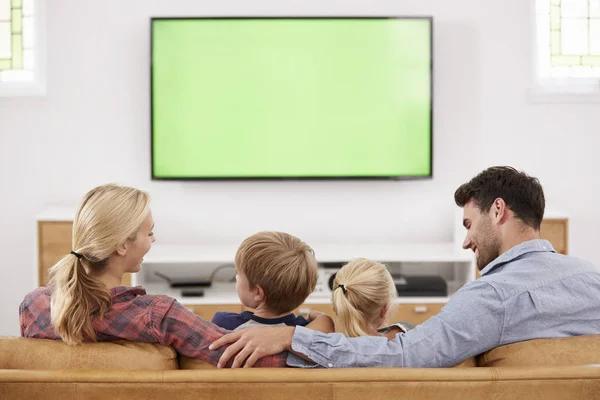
(122, 249)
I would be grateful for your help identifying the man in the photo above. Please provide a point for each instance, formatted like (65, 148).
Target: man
(526, 291)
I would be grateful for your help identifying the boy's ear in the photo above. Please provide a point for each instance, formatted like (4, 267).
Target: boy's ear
(122, 249)
(259, 294)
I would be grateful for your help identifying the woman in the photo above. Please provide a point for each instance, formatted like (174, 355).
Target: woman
(83, 302)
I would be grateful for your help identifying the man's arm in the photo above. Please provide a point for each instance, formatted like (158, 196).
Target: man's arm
(469, 324)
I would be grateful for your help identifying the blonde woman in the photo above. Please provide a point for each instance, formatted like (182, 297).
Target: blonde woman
(84, 301)
(364, 297)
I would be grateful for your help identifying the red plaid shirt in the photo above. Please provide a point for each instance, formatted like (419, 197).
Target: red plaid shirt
(137, 316)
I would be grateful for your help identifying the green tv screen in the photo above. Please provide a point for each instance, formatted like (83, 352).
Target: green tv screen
(296, 98)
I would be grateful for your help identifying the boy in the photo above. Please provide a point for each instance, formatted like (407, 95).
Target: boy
(275, 274)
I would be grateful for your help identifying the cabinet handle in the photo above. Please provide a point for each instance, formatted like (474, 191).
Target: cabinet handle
(420, 309)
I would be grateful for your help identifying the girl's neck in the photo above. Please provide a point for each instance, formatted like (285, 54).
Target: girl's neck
(373, 332)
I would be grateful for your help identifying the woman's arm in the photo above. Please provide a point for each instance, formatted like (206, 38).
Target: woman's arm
(174, 325)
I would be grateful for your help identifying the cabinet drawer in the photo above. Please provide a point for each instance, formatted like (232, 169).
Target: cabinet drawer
(304, 309)
(416, 313)
(207, 311)
(556, 232)
(54, 242)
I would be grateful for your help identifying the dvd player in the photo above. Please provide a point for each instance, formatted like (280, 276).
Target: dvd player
(420, 286)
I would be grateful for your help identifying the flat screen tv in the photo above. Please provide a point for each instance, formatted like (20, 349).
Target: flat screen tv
(291, 98)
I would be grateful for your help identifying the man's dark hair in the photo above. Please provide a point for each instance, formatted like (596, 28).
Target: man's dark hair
(522, 193)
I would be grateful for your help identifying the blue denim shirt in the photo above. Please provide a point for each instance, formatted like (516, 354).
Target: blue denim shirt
(528, 292)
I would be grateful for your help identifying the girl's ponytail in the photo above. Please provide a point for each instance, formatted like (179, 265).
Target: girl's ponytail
(361, 290)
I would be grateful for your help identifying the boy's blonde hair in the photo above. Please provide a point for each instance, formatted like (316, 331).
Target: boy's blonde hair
(107, 217)
(282, 265)
(361, 289)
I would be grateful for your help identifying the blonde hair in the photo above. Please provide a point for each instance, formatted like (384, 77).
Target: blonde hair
(107, 217)
(361, 289)
(282, 265)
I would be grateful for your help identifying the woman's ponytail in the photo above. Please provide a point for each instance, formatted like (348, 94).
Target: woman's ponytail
(77, 299)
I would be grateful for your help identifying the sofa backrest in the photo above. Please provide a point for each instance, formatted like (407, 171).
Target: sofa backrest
(193, 363)
(576, 350)
(27, 353)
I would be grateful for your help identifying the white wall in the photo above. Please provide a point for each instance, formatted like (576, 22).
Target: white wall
(93, 127)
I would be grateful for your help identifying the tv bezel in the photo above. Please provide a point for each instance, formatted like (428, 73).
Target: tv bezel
(292, 178)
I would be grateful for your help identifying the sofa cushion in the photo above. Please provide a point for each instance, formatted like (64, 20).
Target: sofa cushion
(27, 353)
(468, 363)
(186, 362)
(576, 350)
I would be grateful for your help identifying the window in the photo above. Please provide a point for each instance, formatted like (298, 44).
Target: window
(568, 48)
(21, 45)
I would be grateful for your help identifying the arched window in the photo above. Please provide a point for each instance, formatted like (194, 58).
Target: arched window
(22, 40)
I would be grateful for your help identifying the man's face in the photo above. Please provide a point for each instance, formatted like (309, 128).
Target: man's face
(482, 236)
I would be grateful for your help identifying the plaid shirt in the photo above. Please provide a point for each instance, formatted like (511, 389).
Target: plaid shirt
(137, 316)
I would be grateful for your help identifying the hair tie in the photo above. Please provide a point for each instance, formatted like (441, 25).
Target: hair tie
(341, 285)
(79, 256)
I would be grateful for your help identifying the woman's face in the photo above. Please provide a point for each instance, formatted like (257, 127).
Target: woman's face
(137, 248)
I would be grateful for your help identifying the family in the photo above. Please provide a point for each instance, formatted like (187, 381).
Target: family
(526, 290)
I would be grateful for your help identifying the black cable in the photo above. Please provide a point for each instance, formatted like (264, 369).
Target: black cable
(210, 278)
(166, 278)
(220, 267)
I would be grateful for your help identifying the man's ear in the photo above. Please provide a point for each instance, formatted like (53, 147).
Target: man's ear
(499, 210)
(122, 249)
(258, 294)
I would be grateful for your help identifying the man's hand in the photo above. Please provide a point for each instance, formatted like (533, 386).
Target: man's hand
(251, 344)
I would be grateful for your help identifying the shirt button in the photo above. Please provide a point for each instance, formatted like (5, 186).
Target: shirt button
(330, 365)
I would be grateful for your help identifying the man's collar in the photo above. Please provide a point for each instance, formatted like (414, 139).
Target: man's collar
(529, 246)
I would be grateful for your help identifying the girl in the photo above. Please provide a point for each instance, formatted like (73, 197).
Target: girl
(363, 297)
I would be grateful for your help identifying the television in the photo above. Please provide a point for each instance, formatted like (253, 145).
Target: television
(291, 98)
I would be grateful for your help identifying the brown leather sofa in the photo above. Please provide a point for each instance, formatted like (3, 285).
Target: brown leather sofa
(536, 369)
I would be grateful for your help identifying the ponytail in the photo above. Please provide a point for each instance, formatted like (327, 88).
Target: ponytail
(352, 321)
(77, 298)
(361, 290)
